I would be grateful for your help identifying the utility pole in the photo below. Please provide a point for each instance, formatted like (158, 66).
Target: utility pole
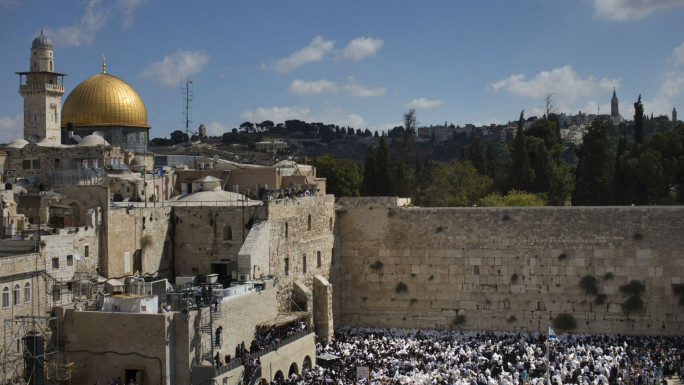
(188, 94)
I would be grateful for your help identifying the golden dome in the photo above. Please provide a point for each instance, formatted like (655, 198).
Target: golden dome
(104, 100)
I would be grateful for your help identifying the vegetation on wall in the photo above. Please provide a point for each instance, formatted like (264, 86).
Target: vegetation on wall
(401, 288)
(590, 284)
(634, 289)
(459, 320)
(564, 321)
(377, 265)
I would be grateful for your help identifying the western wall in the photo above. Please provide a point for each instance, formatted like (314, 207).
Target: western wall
(508, 268)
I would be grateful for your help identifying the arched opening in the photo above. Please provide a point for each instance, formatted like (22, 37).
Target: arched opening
(279, 376)
(16, 295)
(293, 369)
(262, 381)
(5, 298)
(77, 213)
(308, 226)
(27, 293)
(306, 365)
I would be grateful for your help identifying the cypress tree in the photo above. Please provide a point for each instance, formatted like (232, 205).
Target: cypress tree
(368, 184)
(521, 173)
(384, 170)
(638, 123)
(595, 170)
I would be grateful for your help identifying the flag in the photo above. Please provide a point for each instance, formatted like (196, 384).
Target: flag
(159, 175)
(552, 334)
(142, 172)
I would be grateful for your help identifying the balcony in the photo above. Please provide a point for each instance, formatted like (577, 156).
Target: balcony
(41, 87)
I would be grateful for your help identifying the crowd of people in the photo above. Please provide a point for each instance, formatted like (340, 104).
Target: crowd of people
(287, 193)
(400, 356)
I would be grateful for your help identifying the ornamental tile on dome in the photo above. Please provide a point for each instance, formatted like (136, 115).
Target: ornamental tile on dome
(104, 100)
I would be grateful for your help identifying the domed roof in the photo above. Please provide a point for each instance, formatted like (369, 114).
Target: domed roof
(17, 144)
(41, 42)
(93, 141)
(45, 142)
(104, 100)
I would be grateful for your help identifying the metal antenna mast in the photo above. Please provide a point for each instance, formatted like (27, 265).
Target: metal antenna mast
(188, 94)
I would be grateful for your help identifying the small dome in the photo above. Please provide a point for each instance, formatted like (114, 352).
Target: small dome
(137, 164)
(41, 42)
(93, 141)
(45, 142)
(17, 144)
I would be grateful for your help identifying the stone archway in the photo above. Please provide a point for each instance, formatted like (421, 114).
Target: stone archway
(279, 376)
(306, 365)
(293, 369)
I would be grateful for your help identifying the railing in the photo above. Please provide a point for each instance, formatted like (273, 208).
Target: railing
(288, 340)
(41, 87)
(234, 364)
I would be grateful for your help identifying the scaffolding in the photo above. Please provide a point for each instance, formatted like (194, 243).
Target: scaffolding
(30, 348)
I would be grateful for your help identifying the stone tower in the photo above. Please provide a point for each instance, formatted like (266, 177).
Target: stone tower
(614, 112)
(42, 93)
(674, 117)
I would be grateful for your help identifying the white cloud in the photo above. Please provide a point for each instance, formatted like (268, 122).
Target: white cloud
(564, 83)
(128, 8)
(678, 55)
(362, 91)
(10, 3)
(11, 128)
(217, 129)
(362, 47)
(424, 103)
(315, 51)
(620, 10)
(280, 114)
(173, 68)
(301, 87)
(83, 31)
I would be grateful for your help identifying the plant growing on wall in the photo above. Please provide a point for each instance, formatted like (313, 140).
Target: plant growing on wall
(590, 284)
(678, 289)
(377, 265)
(511, 319)
(401, 288)
(600, 299)
(634, 289)
(413, 300)
(564, 321)
(562, 256)
(459, 320)
(609, 275)
(637, 236)
(514, 277)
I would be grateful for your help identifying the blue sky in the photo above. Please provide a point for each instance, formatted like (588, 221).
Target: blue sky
(356, 63)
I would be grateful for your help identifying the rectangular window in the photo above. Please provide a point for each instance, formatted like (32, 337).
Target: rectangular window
(70, 260)
(86, 251)
(287, 266)
(304, 264)
(55, 263)
(318, 259)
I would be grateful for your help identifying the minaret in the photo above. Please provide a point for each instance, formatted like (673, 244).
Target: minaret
(674, 117)
(42, 94)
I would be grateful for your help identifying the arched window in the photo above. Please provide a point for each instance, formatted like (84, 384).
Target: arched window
(309, 223)
(5, 297)
(27, 292)
(16, 295)
(227, 233)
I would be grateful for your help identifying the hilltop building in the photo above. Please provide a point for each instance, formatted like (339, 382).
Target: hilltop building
(674, 118)
(615, 116)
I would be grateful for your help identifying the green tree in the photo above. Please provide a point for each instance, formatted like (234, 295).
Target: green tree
(455, 184)
(179, 136)
(521, 172)
(477, 156)
(404, 175)
(369, 178)
(384, 170)
(513, 198)
(638, 122)
(595, 170)
(493, 161)
(343, 176)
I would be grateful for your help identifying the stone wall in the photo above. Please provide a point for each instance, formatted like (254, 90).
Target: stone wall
(199, 235)
(301, 231)
(137, 240)
(111, 343)
(508, 268)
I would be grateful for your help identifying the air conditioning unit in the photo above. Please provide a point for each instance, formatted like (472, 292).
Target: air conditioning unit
(243, 277)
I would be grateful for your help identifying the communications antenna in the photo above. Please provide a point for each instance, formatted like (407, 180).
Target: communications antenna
(186, 89)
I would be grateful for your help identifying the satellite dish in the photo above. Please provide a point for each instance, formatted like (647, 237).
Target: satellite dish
(78, 256)
(216, 158)
(33, 138)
